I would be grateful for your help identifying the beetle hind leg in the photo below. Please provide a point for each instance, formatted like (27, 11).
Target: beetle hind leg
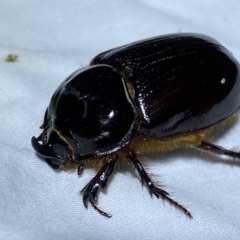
(158, 192)
(100, 180)
(209, 147)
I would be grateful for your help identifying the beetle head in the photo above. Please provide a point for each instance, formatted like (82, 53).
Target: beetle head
(57, 145)
(54, 148)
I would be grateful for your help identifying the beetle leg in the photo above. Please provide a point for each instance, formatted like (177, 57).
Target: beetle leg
(206, 146)
(80, 168)
(158, 192)
(100, 180)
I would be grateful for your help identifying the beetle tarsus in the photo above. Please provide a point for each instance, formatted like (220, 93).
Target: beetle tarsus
(99, 210)
(158, 192)
(100, 180)
(209, 147)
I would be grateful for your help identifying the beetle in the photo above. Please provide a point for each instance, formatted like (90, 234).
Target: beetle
(153, 95)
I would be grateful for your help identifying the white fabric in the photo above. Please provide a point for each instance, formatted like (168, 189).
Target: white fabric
(54, 38)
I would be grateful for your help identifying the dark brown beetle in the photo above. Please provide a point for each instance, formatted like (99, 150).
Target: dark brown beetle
(153, 95)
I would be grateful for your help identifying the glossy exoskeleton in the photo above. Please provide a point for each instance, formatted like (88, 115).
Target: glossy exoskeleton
(154, 95)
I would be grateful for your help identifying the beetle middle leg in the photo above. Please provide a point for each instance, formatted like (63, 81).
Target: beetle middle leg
(158, 192)
(100, 180)
(209, 147)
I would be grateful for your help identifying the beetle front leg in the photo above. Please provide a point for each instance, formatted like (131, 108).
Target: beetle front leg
(158, 192)
(209, 147)
(100, 180)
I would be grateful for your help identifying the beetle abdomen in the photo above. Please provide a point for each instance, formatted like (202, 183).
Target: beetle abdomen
(182, 83)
